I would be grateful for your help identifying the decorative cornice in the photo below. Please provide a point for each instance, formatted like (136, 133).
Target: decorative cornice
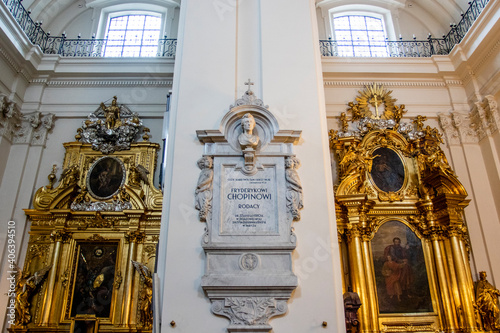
(483, 59)
(392, 84)
(9, 60)
(115, 83)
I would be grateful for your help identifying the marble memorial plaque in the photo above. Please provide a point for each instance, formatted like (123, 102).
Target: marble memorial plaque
(249, 194)
(249, 202)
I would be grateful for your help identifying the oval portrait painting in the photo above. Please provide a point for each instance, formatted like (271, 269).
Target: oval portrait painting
(105, 177)
(388, 172)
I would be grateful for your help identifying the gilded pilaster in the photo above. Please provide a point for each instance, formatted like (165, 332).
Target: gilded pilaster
(466, 293)
(58, 237)
(358, 276)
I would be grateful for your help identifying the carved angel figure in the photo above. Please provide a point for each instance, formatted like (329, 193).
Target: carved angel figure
(204, 188)
(487, 302)
(70, 175)
(293, 187)
(136, 174)
(146, 309)
(82, 196)
(419, 122)
(356, 163)
(343, 122)
(25, 287)
(437, 160)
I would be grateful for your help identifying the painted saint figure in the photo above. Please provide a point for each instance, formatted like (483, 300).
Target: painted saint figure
(247, 139)
(396, 270)
(293, 187)
(204, 188)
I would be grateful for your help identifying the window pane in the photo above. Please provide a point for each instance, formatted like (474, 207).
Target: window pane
(358, 22)
(113, 52)
(342, 23)
(133, 36)
(343, 35)
(136, 22)
(118, 22)
(152, 22)
(148, 51)
(373, 24)
(360, 36)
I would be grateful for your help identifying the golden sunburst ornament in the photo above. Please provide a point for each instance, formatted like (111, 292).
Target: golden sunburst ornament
(376, 102)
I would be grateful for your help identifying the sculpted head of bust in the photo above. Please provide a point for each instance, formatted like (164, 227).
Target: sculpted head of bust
(247, 139)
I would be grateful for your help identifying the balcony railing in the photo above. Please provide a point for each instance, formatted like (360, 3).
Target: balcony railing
(330, 48)
(407, 48)
(66, 47)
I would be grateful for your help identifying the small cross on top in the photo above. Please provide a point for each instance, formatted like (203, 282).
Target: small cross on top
(249, 84)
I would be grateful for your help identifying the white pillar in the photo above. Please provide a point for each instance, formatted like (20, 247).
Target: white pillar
(283, 60)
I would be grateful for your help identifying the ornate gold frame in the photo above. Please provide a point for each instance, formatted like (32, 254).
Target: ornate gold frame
(66, 215)
(430, 202)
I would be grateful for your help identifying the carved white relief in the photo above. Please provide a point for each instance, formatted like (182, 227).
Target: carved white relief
(248, 98)
(204, 188)
(450, 132)
(19, 128)
(485, 114)
(466, 126)
(293, 187)
(482, 121)
(249, 311)
(249, 261)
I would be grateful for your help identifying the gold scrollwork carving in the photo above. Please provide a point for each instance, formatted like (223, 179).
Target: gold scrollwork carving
(118, 280)
(96, 238)
(65, 277)
(60, 236)
(135, 236)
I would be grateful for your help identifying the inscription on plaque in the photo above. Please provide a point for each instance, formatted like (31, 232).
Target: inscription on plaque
(249, 202)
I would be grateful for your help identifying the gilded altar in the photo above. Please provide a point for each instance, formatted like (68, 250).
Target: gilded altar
(399, 207)
(94, 233)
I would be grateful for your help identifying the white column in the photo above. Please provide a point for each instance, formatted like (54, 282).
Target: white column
(217, 52)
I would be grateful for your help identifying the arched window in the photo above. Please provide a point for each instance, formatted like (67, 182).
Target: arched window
(133, 35)
(359, 35)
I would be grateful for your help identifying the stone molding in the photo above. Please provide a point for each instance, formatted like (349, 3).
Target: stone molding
(482, 121)
(29, 128)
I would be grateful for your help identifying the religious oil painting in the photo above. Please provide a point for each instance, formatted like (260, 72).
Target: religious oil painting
(400, 271)
(388, 172)
(93, 285)
(106, 177)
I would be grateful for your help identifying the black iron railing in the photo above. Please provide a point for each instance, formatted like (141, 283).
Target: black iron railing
(77, 47)
(166, 46)
(408, 48)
